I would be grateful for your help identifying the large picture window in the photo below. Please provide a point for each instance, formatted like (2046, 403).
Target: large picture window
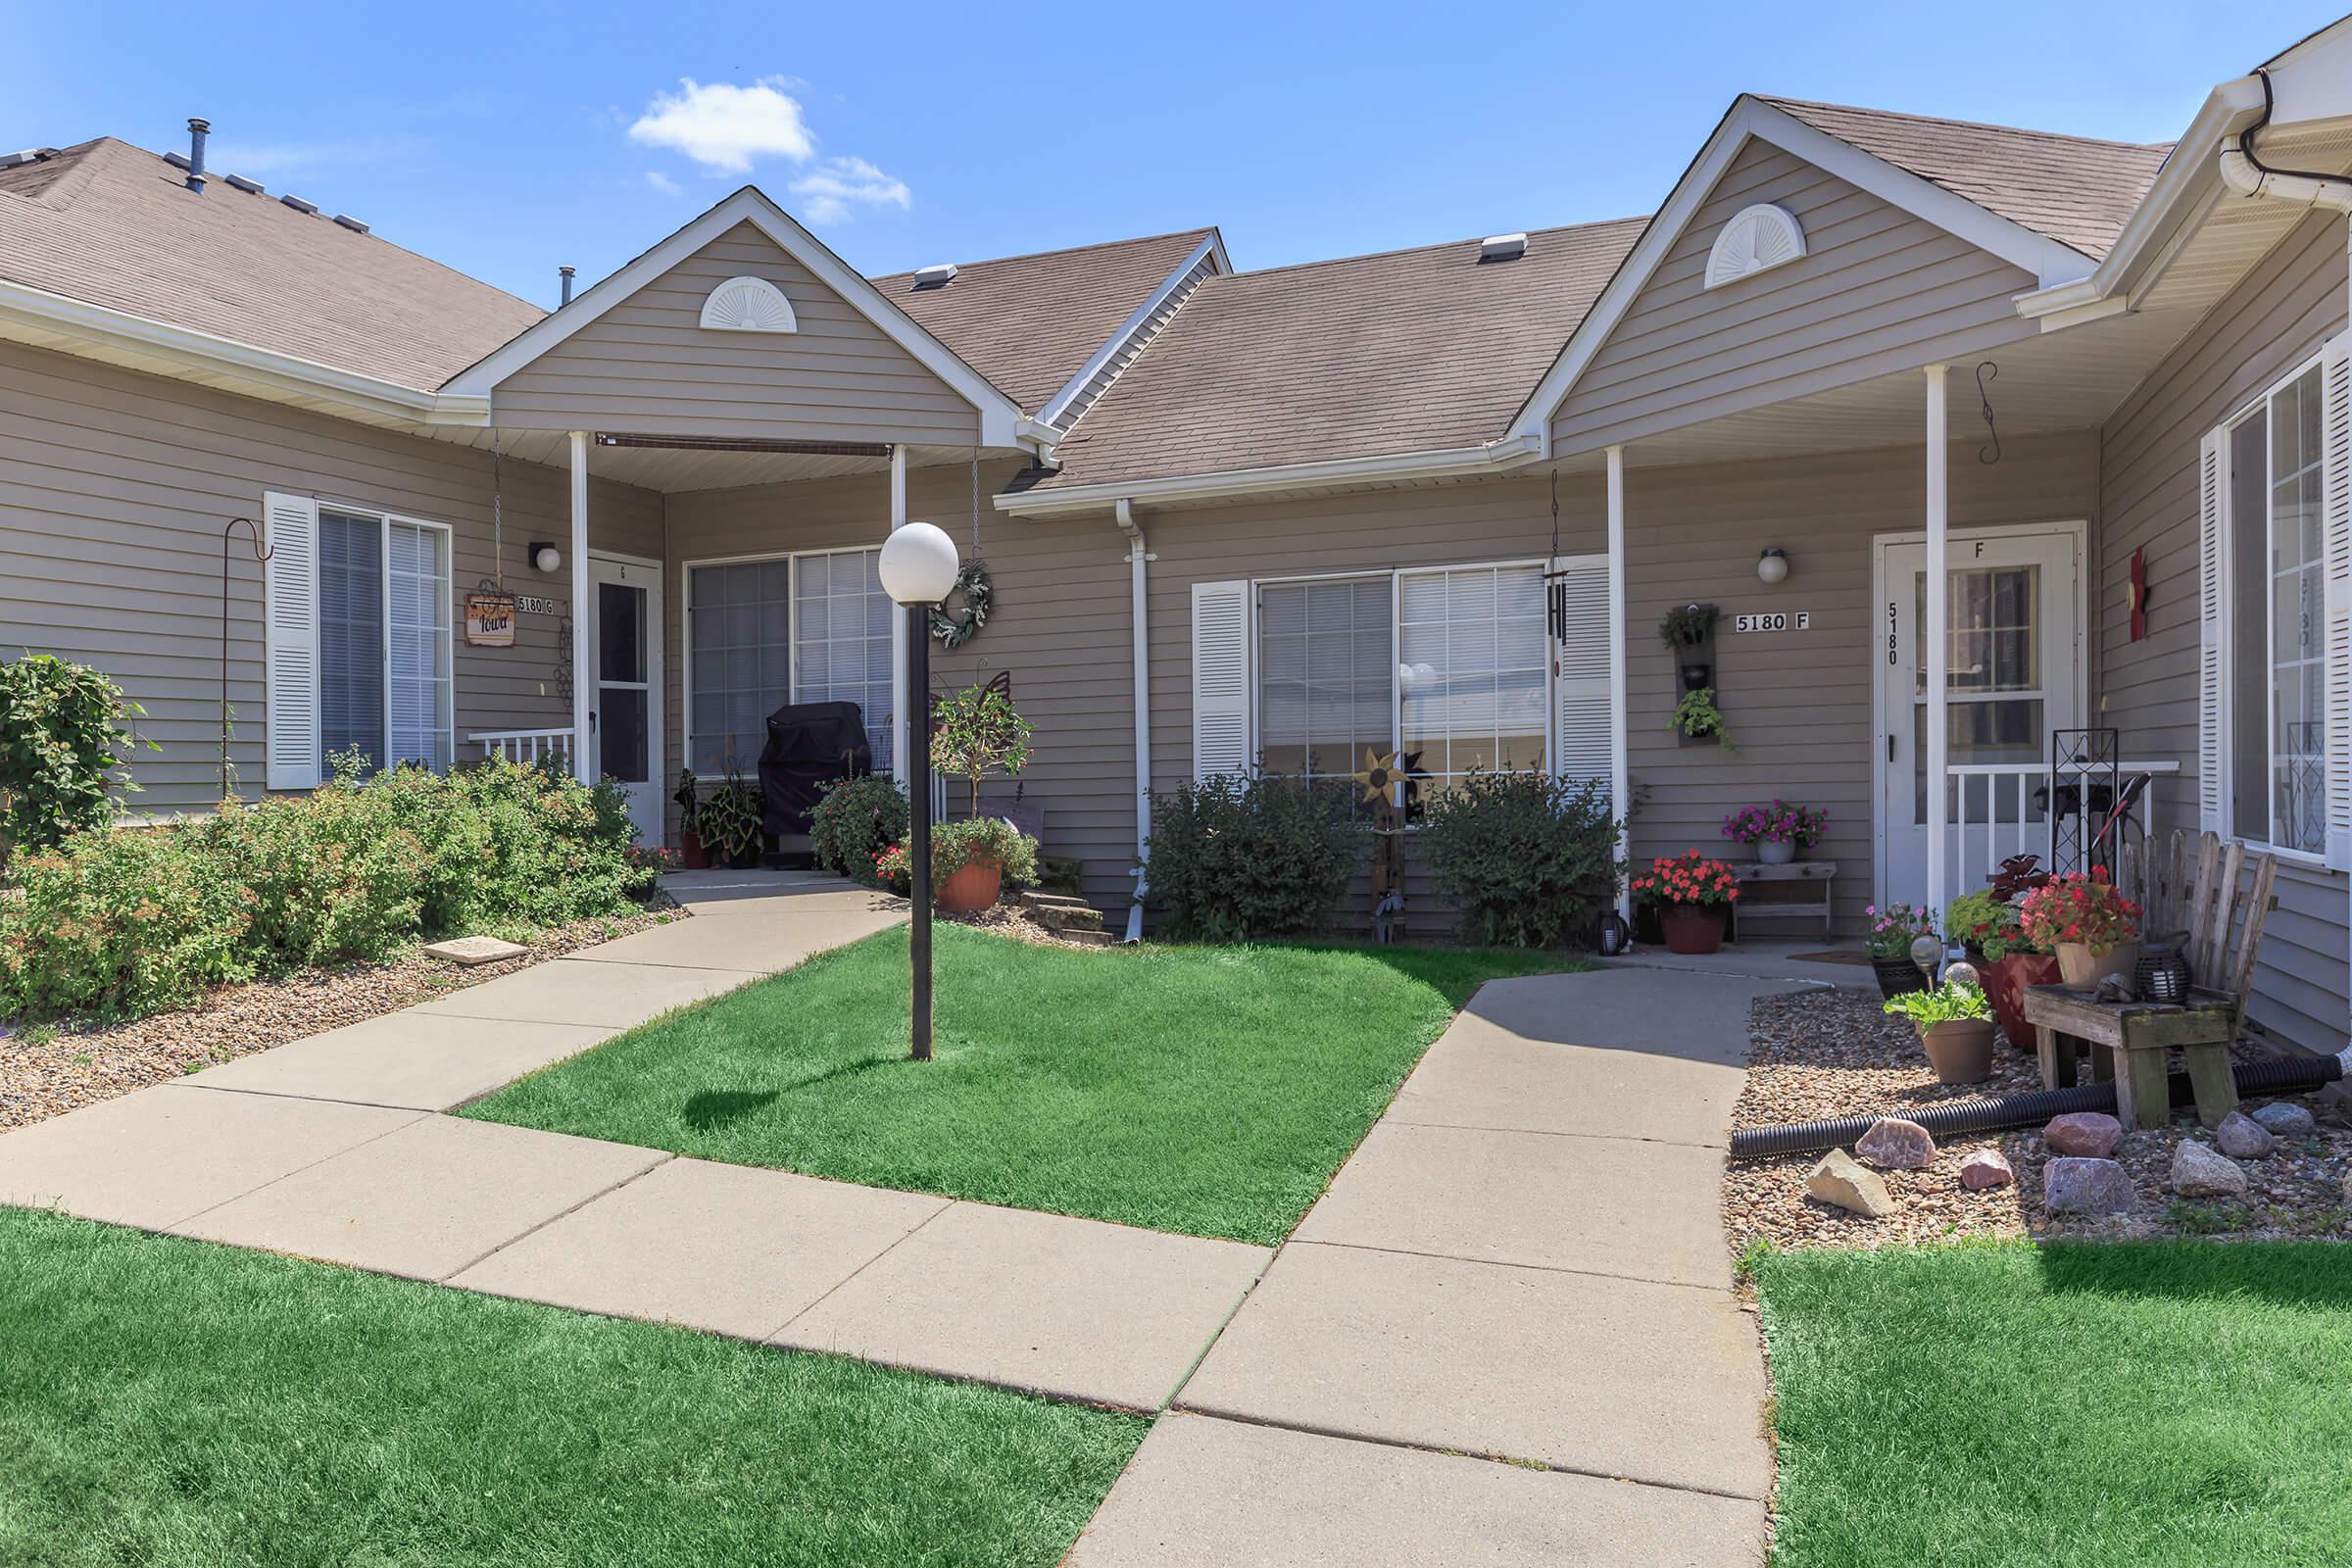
(1327, 675)
(384, 679)
(2276, 638)
(804, 628)
(844, 640)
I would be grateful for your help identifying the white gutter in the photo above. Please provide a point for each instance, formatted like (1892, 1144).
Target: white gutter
(2241, 176)
(1138, 554)
(1495, 456)
(187, 349)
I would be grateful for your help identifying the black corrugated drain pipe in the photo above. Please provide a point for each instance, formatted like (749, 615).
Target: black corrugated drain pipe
(1995, 1113)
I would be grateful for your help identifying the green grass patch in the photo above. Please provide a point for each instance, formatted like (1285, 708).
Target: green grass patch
(1997, 1402)
(1207, 1090)
(168, 1401)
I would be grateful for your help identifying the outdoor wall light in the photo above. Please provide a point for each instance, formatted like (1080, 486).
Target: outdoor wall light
(1773, 564)
(546, 557)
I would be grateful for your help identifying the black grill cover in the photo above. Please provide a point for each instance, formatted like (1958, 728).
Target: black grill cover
(808, 746)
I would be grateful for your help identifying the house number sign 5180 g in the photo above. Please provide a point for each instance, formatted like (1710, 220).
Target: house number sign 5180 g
(1777, 620)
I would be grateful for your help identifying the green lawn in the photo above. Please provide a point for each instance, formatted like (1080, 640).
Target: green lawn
(1996, 1403)
(1208, 1090)
(166, 1402)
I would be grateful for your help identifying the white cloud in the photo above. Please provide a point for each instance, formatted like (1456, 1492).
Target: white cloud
(724, 127)
(835, 186)
(661, 183)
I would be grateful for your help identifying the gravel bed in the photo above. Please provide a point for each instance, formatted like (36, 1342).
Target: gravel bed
(48, 1071)
(1833, 1054)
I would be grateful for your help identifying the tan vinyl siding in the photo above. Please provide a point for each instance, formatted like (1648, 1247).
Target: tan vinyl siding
(647, 366)
(2278, 317)
(114, 490)
(1877, 290)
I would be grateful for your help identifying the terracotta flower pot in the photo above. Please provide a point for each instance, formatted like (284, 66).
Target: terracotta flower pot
(973, 885)
(2005, 981)
(2083, 967)
(1690, 928)
(1960, 1050)
(691, 855)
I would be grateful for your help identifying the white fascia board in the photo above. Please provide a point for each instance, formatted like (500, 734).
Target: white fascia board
(1059, 402)
(1000, 417)
(1749, 119)
(1240, 484)
(264, 370)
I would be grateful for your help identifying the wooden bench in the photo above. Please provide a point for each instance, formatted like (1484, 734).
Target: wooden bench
(1800, 876)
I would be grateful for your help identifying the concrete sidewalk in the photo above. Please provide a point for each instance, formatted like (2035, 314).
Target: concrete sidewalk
(1523, 1261)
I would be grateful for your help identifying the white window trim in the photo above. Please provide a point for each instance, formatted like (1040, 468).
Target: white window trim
(2256, 406)
(1396, 576)
(791, 650)
(449, 545)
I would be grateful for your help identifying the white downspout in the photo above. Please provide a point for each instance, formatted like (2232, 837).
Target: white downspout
(1621, 795)
(1138, 554)
(583, 676)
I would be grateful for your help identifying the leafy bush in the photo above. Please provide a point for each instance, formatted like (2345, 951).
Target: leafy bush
(1528, 859)
(854, 819)
(119, 924)
(956, 845)
(976, 732)
(1237, 860)
(61, 744)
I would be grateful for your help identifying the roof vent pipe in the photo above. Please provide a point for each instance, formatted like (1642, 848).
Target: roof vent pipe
(564, 273)
(198, 129)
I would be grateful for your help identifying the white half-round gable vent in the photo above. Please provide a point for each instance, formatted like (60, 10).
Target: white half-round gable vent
(1757, 240)
(749, 305)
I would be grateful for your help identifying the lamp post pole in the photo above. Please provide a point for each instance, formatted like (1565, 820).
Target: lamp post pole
(917, 729)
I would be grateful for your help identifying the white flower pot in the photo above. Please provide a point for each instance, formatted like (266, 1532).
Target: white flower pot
(1775, 852)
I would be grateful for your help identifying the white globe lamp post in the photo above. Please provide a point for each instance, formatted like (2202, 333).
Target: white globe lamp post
(918, 569)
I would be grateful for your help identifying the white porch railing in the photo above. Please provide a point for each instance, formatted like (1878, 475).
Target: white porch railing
(523, 744)
(1999, 811)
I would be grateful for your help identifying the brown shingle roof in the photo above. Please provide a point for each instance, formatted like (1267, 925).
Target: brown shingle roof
(1029, 323)
(112, 224)
(1407, 351)
(2072, 189)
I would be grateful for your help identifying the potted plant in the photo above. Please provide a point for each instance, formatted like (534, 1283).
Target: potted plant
(2088, 922)
(1955, 1025)
(1891, 933)
(729, 822)
(1778, 830)
(970, 862)
(976, 732)
(688, 796)
(1693, 895)
(1987, 925)
(1697, 719)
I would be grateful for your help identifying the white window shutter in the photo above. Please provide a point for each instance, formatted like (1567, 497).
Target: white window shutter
(290, 613)
(1221, 679)
(2335, 443)
(1584, 718)
(2212, 490)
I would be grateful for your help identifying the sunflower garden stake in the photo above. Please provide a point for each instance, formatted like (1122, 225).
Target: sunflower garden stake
(1380, 780)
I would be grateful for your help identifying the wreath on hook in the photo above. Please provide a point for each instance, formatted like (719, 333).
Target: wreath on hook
(955, 630)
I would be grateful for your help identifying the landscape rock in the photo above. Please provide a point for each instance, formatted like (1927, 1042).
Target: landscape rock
(2090, 1134)
(1986, 1168)
(2079, 1185)
(2284, 1118)
(1892, 1144)
(2241, 1137)
(1844, 1184)
(2202, 1172)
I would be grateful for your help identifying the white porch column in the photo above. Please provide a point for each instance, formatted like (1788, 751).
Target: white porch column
(583, 674)
(1938, 638)
(1620, 785)
(901, 730)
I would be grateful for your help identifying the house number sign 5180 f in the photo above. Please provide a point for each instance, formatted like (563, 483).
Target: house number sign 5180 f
(1777, 620)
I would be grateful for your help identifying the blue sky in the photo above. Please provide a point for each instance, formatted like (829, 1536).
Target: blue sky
(506, 138)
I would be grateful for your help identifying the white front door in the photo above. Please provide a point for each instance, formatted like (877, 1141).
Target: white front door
(2014, 675)
(624, 707)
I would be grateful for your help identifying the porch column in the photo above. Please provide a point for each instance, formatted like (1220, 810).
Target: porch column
(900, 729)
(1938, 638)
(583, 676)
(1620, 786)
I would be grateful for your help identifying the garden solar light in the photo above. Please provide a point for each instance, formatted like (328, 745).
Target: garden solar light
(1926, 952)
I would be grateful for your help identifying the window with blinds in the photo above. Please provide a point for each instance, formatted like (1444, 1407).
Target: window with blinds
(843, 638)
(384, 656)
(1471, 665)
(1327, 675)
(739, 648)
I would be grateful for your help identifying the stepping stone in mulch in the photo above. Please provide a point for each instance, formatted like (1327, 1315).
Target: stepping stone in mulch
(470, 951)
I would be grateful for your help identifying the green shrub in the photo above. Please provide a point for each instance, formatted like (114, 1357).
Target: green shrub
(854, 820)
(1530, 861)
(119, 924)
(1237, 860)
(61, 741)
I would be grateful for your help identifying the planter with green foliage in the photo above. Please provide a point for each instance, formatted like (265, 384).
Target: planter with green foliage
(855, 819)
(971, 861)
(975, 733)
(1528, 859)
(1955, 1026)
(729, 822)
(1241, 859)
(1696, 718)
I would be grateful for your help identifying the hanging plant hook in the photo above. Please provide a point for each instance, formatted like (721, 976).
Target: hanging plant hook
(1987, 372)
(263, 550)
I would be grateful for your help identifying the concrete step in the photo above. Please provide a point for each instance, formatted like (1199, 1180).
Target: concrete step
(1060, 914)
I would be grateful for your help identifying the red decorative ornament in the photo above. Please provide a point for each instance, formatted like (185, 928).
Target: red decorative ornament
(2139, 593)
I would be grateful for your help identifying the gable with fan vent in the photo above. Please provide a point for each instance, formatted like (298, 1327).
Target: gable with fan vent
(749, 305)
(1757, 240)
